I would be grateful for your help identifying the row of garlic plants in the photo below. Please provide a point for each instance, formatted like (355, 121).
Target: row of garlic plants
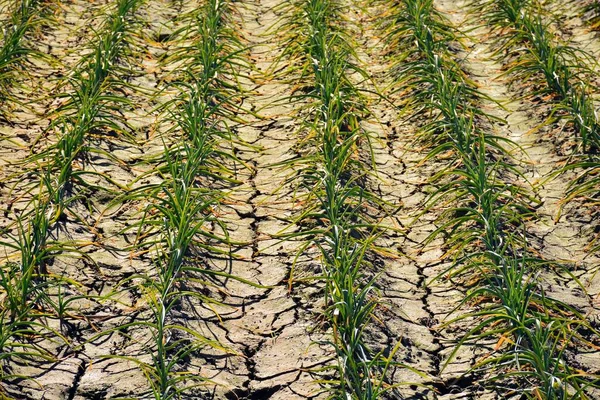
(32, 293)
(484, 219)
(560, 71)
(15, 51)
(557, 69)
(333, 171)
(180, 226)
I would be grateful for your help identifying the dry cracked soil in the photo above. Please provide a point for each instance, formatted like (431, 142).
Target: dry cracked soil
(277, 341)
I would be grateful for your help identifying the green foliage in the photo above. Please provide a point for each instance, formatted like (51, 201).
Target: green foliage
(333, 173)
(564, 69)
(484, 228)
(15, 50)
(28, 284)
(180, 224)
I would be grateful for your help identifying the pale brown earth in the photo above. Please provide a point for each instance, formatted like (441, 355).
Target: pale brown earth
(275, 332)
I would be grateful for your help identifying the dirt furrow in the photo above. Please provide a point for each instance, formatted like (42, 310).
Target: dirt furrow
(274, 325)
(573, 29)
(415, 303)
